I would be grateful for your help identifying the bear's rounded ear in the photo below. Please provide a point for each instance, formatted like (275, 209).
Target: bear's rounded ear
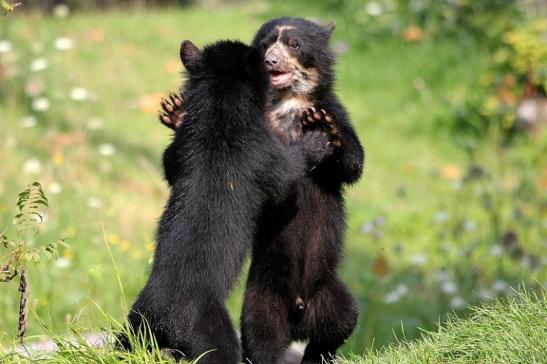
(329, 28)
(190, 55)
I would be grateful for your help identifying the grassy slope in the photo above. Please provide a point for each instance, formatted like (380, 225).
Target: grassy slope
(511, 331)
(393, 91)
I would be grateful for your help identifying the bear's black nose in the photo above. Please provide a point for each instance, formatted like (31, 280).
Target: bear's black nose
(272, 59)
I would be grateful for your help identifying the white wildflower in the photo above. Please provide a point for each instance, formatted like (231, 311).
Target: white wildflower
(443, 276)
(79, 94)
(496, 250)
(54, 188)
(500, 285)
(470, 225)
(367, 228)
(441, 216)
(40, 104)
(449, 287)
(373, 8)
(395, 295)
(32, 166)
(418, 259)
(95, 124)
(107, 149)
(61, 11)
(63, 43)
(457, 303)
(485, 294)
(94, 203)
(39, 64)
(28, 121)
(5, 47)
(62, 263)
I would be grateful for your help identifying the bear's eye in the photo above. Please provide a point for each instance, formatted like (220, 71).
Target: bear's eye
(293, 43)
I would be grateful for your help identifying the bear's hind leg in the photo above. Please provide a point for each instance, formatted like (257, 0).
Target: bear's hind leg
(213, 335)
(329, 320)
(265, 332)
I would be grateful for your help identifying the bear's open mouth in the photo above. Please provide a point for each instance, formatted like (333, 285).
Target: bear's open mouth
(280, 79)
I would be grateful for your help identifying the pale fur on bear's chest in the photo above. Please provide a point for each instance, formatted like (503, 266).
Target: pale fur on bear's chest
(284, 118)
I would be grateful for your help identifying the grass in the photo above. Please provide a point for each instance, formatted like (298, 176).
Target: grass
(508, 331)
(422, 240)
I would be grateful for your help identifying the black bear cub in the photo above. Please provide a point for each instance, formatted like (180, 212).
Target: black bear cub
(223, 165)
(293, 291)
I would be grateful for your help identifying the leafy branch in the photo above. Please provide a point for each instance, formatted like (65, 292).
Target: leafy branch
(31, 206)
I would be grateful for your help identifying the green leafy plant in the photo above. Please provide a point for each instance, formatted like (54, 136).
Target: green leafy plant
(517, 70)
(31, 206)
(7, 7)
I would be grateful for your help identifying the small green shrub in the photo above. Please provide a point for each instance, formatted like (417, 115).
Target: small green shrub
(31, 206)
(517, 69)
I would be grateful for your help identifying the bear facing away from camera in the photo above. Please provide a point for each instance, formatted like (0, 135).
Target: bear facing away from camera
(226, 165)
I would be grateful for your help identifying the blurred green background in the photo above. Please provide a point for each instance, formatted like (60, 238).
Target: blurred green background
(448, 98)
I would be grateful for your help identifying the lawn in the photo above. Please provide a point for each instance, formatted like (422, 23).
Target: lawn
(78, 102)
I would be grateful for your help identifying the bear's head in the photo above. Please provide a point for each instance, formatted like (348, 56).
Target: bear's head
(296, 54)
(224, 66)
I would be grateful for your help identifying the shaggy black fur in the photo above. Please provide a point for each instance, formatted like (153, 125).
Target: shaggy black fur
(293, 292)
(223, 166)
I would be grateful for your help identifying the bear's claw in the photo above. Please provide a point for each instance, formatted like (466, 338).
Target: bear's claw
(172, 112)
(313, 119)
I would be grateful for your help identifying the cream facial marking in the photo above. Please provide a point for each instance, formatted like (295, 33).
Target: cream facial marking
(286, 72)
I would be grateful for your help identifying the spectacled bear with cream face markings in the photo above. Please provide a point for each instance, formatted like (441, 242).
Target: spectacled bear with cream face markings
(224, 165)
(293, 292)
